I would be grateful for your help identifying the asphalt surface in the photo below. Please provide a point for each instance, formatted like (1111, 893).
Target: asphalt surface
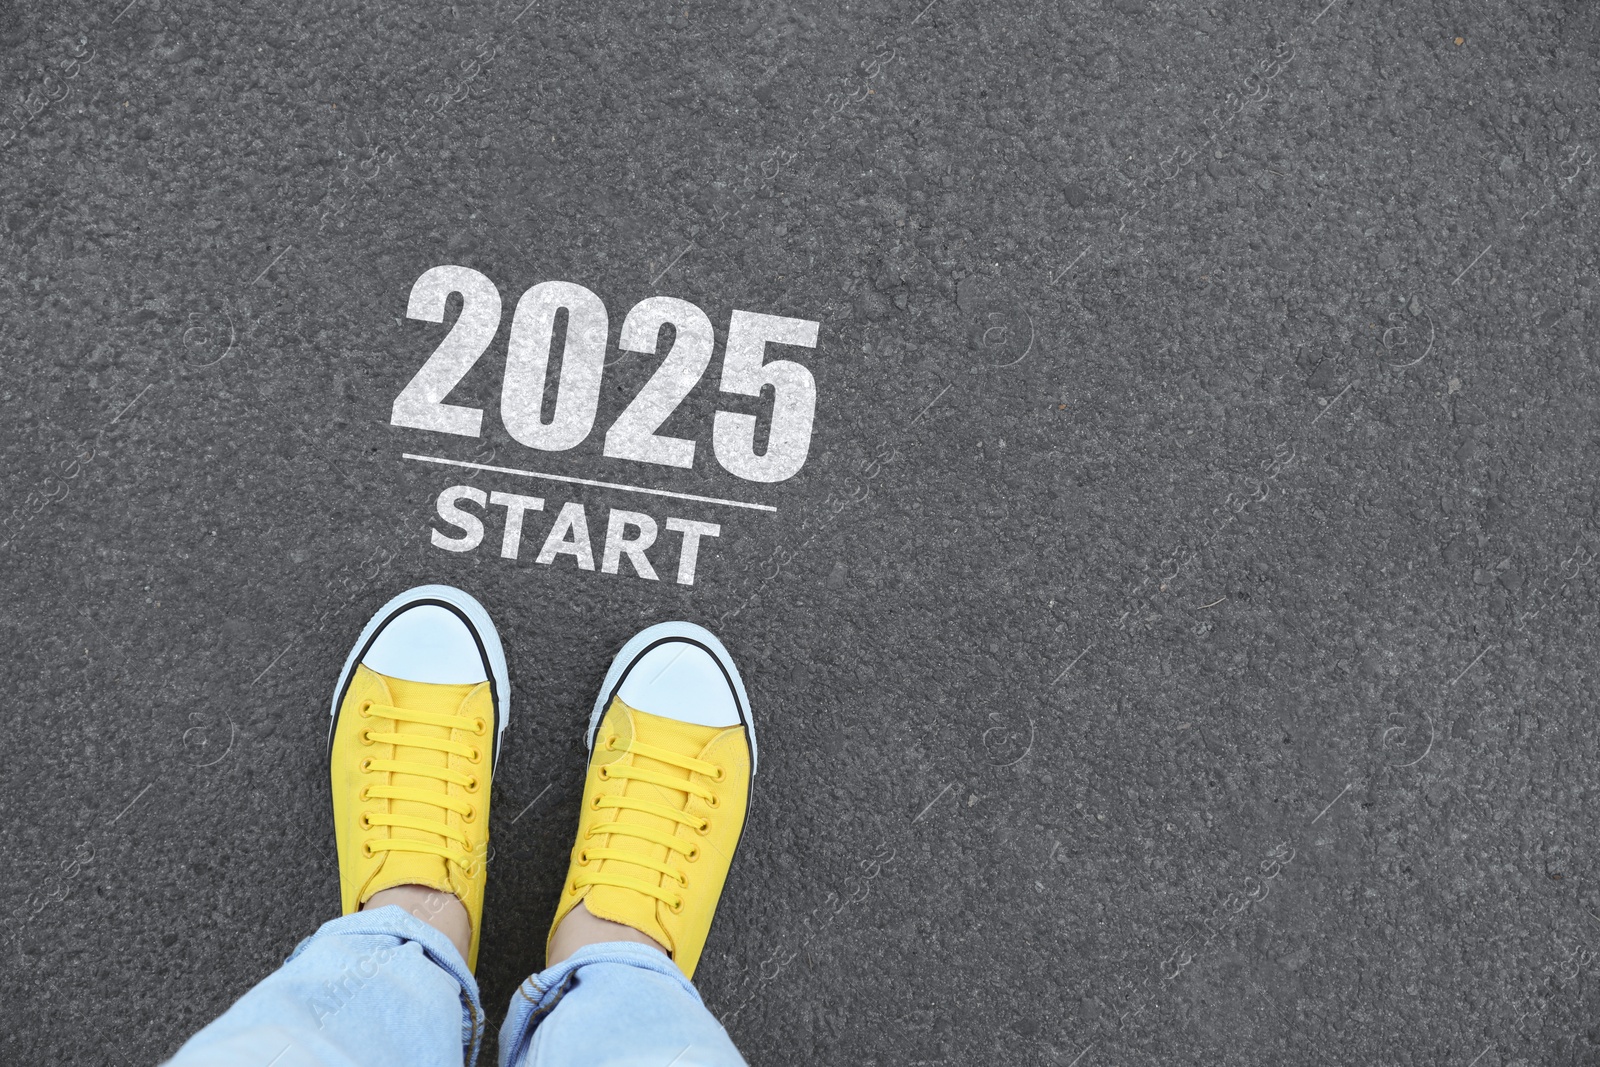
(1177, 645)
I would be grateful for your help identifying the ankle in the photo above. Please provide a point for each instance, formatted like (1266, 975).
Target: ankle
(442, 911)
(579, 928)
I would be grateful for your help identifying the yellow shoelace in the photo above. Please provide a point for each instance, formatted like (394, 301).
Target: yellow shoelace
(439, 798)
(671, 842)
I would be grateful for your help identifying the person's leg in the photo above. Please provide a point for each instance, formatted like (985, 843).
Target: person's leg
(613, 1004)
(416, 724)
(377, 987)
(672, 757)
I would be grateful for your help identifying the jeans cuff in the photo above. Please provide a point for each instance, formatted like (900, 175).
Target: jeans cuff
(540, 993)
(396, 922)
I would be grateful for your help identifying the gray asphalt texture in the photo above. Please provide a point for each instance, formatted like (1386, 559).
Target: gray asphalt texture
(1178, 647)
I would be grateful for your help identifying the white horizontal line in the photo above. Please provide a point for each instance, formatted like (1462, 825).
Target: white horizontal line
(590, 481)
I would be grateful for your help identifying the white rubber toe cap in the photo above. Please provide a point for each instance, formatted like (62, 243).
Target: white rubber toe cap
(678, 670)
(427, 643)
(437, 634)
(679, 680)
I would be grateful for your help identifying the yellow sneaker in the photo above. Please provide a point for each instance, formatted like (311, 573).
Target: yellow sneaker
(672, 752)
(417, 719)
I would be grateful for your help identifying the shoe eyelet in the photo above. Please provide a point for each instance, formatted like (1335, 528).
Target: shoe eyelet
(475, 756)
(366, 765)
(722, 772)
(480, 727)
(365, 710)
(470, 814)
(366, 849)
(714, 802)
(604, 774)
(704, 827)
(676, 906)
(683, 881)
(594, 805)
(583, 857)
(693, 853)
(472, 784)
(366, 822)
(611, 744)
(366, 738)
(364, 796)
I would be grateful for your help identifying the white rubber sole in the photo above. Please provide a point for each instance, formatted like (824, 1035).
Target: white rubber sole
(652, 635)
(480, 623)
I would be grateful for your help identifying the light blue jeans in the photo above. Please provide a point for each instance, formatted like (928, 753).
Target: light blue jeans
(384, 989)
